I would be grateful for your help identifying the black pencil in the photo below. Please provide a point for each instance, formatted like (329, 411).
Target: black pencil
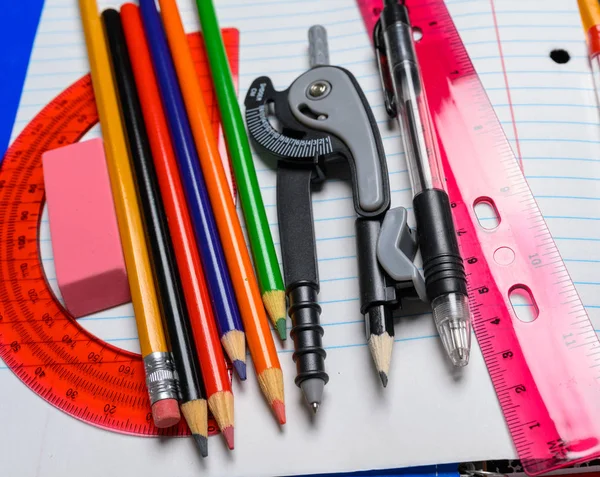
(194, 406)
(373, 286)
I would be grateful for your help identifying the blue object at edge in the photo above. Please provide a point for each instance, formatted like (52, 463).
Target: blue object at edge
(444, 470)
(18, 25)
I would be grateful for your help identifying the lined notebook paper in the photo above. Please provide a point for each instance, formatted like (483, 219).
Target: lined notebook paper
(428, 414)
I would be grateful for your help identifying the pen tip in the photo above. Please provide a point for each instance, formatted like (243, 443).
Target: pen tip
(460, 357)
(279, 409)
(228, 435)
(315, 407)
(313, 391)
(453, 322)
(202, 443)
(240, 369)
(281, 329)
(384, 378)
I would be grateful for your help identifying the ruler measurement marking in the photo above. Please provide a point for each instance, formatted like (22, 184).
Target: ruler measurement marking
(57, 369)
(442, 38)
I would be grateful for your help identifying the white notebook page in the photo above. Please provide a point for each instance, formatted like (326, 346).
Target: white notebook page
(428, 414)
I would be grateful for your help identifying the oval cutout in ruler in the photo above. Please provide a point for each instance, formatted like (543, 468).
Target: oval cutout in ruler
(546, 371)
(45, 347)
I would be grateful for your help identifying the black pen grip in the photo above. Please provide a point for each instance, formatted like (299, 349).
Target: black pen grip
(442, 264)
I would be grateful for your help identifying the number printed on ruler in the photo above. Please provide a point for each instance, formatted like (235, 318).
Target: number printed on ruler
(45, 347)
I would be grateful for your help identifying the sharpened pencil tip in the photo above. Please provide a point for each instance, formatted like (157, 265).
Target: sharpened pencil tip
(202, 443)
(228, 435)
(281, 329)
(274, 301)
(279, 409)
(240, 369)
(381, 350)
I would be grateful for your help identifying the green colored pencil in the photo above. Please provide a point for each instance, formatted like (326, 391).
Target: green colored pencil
(261, 241)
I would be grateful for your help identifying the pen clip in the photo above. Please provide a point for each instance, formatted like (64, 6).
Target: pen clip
(384, 71)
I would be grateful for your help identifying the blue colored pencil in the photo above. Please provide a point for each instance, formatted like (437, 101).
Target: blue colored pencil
(220, 288)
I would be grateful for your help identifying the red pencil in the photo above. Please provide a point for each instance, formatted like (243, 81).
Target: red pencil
(212, 359)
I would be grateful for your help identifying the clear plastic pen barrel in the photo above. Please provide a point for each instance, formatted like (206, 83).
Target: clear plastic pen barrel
(413, 116)
(442, 265)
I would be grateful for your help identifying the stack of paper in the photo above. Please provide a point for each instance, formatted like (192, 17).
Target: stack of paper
(428, 414)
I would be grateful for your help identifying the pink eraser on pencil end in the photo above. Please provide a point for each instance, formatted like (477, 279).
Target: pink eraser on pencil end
(165, 413)
(88, 258)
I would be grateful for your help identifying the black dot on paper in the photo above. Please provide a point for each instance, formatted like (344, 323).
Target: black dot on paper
(560, 56)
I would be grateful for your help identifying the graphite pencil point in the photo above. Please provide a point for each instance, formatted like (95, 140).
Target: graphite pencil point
(381, 350)
(202, 443)
(384, 378)
(240, 369)
(196, 416)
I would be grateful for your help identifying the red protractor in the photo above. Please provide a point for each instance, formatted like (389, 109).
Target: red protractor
(40, 342)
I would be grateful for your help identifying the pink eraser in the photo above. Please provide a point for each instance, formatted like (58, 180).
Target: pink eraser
(165, 413)
(88, 257)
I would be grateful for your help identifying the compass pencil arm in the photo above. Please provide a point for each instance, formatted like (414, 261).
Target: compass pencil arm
(321, 118)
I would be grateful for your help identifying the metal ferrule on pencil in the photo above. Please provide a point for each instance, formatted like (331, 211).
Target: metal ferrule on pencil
(161, 378)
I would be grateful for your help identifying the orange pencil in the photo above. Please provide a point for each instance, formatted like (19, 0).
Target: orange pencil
(258, 333)
(210, 353)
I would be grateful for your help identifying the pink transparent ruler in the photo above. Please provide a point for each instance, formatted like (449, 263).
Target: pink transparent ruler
(546, 373)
